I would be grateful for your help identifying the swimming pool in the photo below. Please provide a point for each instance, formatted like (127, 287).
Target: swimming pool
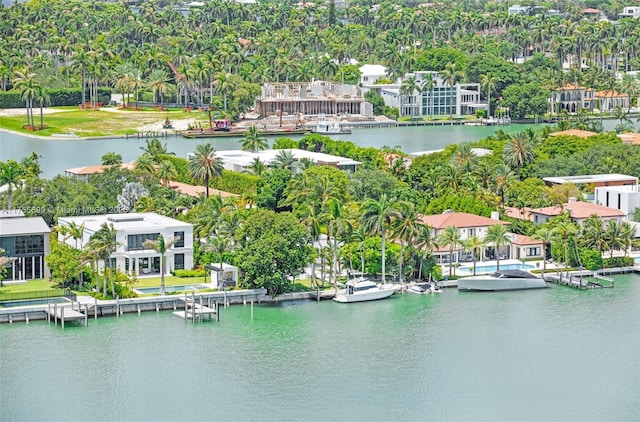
(481, 269)
(170, 289)
(32, 302)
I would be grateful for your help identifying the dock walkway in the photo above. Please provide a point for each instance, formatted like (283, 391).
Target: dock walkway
(65, 313)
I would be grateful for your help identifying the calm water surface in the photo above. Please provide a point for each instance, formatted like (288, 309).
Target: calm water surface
(553, 354)
(58, 155)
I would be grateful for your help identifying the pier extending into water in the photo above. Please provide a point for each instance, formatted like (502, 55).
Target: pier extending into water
(85, 307)
(586, 279)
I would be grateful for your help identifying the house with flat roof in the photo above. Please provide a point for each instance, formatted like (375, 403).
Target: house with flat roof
(630, 12)
(623, 198)
(578, 212)
(372, 73)
(240, 161)
(132, 230)
(25, 241)
(593, 180)
(468, 225)
(441, 100)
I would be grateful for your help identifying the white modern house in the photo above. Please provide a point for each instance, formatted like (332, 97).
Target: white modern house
(623, 198)
(25, 241)
(241, 161)
(440, 99)
(630, 12)
(372, 73)
(131, 255)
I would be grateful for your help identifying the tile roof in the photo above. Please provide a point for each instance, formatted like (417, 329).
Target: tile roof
(519, 239)
(196, 191)
(579, 210)
(86, 170)
(630, 138)
(572, 87)
(574, 132)
(610, 94)
(521, 214)
(458, 219)
(15, 226)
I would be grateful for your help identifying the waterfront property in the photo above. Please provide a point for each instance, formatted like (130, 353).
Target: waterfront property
(578, 212)
(25, 241)
(241, 161)
(311, 98)
(469, 225)
(132, 230)
(439, 100)
(571, 98)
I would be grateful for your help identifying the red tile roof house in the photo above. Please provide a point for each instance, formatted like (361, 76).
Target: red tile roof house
(579, 211)
(522, 247)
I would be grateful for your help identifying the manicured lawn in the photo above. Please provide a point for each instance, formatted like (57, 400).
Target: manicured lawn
(30, 286)
(95, 122)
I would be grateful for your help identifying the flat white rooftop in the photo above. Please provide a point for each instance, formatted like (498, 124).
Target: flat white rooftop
(133, 221)
(245, 158)
(592, 178)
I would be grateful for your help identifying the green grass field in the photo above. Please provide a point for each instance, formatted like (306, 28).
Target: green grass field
(85, 123)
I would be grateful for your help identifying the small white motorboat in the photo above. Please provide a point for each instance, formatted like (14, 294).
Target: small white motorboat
(424, 288)
(362, 290)
(325, 127)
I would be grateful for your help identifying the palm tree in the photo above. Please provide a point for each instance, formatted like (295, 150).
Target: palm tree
(159, 83)
(42, 98)
(518, 151)
(253, 141)
(429, 84)
(497, 236)
(592, 235)
(613, 236)
(74, 231)
(257, 167)
(377, 217)
(203, 164)
(475, 244)
(565, 229)
(489, 83)
(337, 224)
(161, 246)
(28, 87)
(312, 222)
(406, 228)
(111, 158)
(103, 243)
(425, 243)
(218, 244)
(407, 89)
(145, 165)
(545, 235)
(11, 174)
(452, 76)
(284, 159)
(166, 172)
(450, 237)
(155, 149)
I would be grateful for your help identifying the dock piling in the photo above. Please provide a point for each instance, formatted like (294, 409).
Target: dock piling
(252, 310)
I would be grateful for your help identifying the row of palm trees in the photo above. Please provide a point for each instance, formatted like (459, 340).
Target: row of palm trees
(68, 43)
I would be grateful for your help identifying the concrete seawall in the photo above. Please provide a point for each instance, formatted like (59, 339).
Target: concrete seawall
(99, 308)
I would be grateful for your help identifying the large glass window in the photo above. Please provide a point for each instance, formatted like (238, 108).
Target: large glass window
(29, 245)
(179, 238)
(136, 241)
(178, 261)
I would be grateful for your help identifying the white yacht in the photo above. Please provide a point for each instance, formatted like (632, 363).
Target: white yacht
(362, 290)
(325, 127)
(502, 280)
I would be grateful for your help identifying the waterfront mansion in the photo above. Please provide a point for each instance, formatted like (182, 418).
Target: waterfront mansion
(132, 230)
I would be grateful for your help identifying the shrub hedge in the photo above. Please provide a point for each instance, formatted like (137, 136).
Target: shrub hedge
(618, 261)
(188, 273)
(57, 97)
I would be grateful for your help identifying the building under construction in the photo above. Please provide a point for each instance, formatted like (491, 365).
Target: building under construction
(311, 98)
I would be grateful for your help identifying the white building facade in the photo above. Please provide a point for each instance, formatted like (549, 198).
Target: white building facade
(623, 198)
(431, 99)
(132, 230)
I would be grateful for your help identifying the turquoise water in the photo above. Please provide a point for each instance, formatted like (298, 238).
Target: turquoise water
(491, 268)
(556, 354)
(171, 289)
(32, 302)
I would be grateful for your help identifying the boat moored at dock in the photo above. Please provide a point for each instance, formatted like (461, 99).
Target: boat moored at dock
(362, 290)
(502, 280)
